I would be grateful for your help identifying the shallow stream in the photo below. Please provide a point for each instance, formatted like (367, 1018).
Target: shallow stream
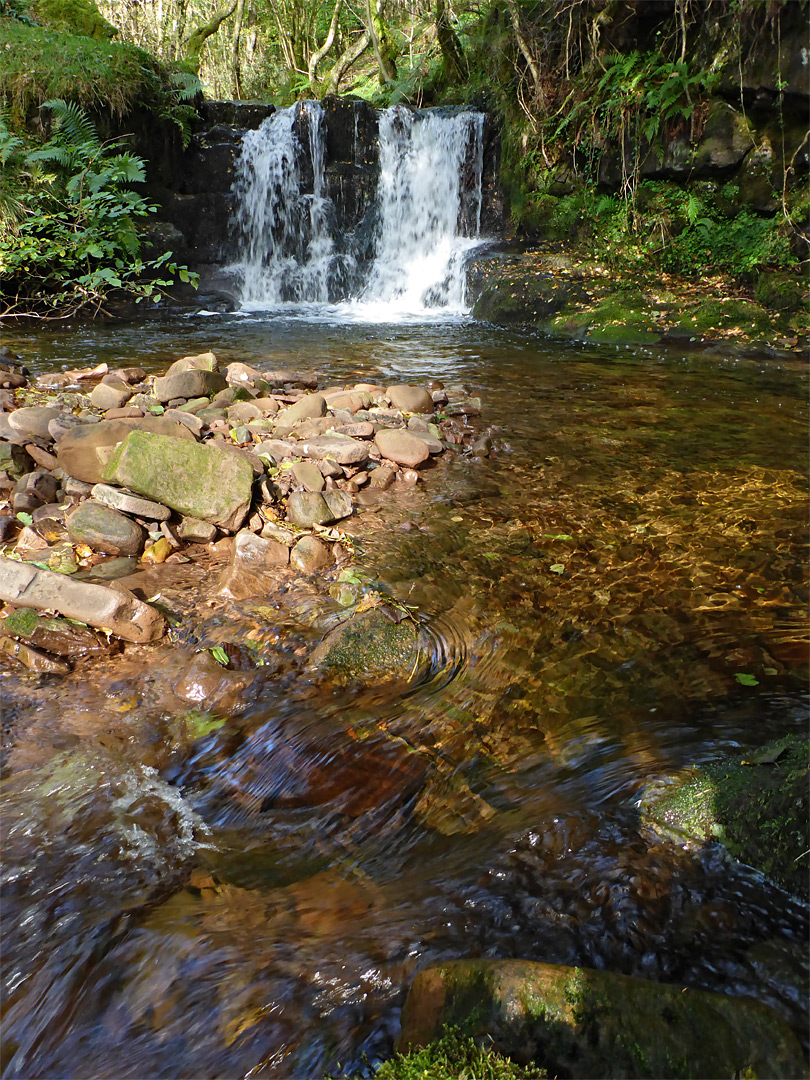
(255, 902)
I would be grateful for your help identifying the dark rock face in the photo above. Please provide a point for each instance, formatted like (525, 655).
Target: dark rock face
(194, 186)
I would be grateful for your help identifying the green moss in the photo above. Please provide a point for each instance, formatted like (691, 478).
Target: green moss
(40, 64)
(782, 292)
(455, 1057)
(369, 646)
(73, 17)
(714, 315)
(759, 811)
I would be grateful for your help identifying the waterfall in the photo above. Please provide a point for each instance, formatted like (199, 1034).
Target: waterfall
(403, 254)
(286, 250)
(421, 240)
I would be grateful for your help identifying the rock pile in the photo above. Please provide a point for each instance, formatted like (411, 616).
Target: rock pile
(142, 467)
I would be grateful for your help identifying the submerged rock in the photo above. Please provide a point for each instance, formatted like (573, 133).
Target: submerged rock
(586, 1023)
(368, 645)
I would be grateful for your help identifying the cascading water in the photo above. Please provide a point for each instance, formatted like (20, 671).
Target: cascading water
(406, 254)
(423, 211)
(286, 246)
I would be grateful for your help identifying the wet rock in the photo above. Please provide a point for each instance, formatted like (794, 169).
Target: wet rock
(311, 554)
(205, 682)
(192, 383)
(412, 399)
(340, 448)
(111, 395)
(401, 446)
(50, 521)
(53, 635)
(755, 804)
(367, 646)
(482, 447)
(34, 420)
(199, 481)
(196, 531)
(32, 659)
(121, 614)
(582, 1022)
(259, 553)
(273, 531)
(308, 406)
(104, 529)
(308, 475)
(130, 504)
(84, 452)
(252, 559)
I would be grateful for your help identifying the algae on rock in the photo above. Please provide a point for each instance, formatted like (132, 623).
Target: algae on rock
(756, 805)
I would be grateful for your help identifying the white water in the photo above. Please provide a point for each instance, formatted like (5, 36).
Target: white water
(286, 248)
(428, 212)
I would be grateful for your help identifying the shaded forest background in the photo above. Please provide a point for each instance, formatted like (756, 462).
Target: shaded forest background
(663, 133)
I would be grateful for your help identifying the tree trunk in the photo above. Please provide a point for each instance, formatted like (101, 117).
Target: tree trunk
(455, 68)
(383, 49)
(237, 31)
(345, 61)
(195, 42)
(319, 54)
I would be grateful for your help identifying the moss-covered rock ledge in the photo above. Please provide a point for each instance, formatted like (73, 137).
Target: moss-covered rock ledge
(755, 803)
(574, 297)
(583, 1023)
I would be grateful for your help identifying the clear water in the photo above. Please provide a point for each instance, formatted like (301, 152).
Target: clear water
(164, 917)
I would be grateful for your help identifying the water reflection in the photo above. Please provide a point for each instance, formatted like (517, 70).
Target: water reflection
(255, 902)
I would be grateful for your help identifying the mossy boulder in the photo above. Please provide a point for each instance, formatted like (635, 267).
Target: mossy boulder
(719, 316)
(620, 318)
(369, 646)
(782, 292)
(198, 481)
(585, 1023)
(80, 17)
(755, 804)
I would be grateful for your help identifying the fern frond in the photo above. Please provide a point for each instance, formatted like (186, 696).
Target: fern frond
(73, 123)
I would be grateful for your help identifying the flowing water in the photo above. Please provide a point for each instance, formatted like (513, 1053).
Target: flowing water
(407, 257)
(237, 874)
(255, 901)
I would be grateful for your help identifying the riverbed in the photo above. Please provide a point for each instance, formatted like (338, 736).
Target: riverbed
(616, 592)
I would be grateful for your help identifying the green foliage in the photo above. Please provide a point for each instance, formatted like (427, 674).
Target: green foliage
(668, 228)
(455, 1057)
(68, 235)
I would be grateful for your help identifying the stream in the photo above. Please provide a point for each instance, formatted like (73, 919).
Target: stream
(255, 903)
